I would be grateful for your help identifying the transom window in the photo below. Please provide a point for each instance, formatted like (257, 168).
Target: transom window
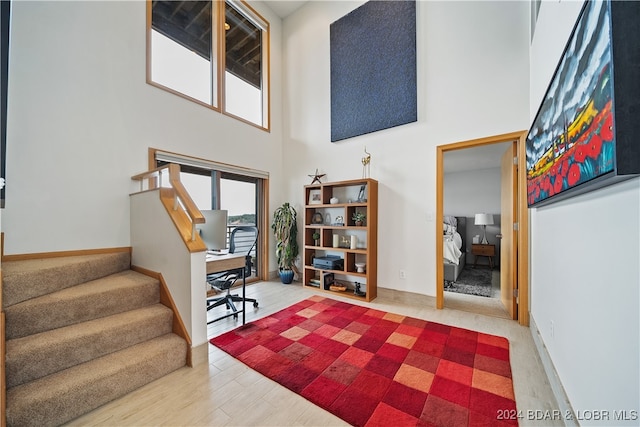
(213, 52)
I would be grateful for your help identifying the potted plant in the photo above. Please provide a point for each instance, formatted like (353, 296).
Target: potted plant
(316, 237)
(358, 218)
(285, 230)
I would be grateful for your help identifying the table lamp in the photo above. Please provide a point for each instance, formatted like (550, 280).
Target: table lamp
(484, 220)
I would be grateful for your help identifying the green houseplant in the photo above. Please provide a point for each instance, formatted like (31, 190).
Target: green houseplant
(285, 230)
(359, 217)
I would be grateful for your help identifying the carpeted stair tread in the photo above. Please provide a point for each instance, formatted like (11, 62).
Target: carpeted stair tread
(38, 355)
(117, 293)
(26, 279)
(60, 397)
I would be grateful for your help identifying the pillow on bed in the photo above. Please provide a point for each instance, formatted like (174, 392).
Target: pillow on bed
(451, 220)
(448, 228)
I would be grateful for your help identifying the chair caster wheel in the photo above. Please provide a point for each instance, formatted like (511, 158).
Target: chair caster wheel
(255, 304)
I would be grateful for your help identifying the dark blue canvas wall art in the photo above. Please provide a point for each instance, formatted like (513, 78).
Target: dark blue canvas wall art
(373, 69)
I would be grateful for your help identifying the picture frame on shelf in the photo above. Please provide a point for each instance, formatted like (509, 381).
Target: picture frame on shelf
(315, 197)
(328, 280)
(362, 195)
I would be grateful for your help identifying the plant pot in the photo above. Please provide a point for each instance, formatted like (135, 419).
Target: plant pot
(358, 223)
(286, 276)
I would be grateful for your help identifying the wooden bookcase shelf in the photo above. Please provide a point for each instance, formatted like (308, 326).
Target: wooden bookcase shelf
(323, 217)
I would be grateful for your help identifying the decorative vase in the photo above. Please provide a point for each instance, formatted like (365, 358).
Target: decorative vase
(333, 200)
(358, 223)
(286, 276)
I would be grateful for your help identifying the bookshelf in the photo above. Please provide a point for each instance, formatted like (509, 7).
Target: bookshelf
(328, 213)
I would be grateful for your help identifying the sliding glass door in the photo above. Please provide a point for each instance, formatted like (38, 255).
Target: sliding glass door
(241, 195)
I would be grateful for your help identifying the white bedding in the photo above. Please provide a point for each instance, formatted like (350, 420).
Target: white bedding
(451, 249)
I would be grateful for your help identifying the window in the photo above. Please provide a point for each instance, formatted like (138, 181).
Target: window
(212, 52)
(240, 191)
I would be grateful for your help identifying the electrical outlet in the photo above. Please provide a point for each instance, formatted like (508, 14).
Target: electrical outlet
(551, 331)
(403, 274)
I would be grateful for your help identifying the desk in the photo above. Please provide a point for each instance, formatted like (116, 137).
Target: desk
(228, 262)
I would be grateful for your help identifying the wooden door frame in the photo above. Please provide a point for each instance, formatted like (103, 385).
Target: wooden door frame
(522, 217)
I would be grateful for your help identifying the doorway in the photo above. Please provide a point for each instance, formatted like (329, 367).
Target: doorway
(472, 248)
(518, 296)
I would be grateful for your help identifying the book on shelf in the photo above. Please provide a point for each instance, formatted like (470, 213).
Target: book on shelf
(314, 282)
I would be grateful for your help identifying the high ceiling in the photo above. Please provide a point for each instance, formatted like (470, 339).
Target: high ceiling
(189, 23)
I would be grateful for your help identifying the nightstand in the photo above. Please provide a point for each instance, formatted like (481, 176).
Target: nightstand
(483, 250)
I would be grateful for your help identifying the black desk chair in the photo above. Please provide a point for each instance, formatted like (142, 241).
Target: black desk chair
(243, 240)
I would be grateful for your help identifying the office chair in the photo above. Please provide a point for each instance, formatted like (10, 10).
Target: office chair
(243, 239)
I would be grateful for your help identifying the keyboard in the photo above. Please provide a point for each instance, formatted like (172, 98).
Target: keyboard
(212, 252)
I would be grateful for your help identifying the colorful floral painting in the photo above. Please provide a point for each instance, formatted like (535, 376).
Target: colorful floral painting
(572, 140)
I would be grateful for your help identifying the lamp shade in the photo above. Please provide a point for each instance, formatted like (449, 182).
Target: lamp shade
(484, 219)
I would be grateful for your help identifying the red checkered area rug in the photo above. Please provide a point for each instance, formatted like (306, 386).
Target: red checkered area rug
(373, 368)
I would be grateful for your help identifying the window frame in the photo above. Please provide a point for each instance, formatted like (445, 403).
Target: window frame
(218, 60)
(191, 164)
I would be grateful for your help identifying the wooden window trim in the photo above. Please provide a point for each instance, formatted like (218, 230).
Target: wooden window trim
(220, 66)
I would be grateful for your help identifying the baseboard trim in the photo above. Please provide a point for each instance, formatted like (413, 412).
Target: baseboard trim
(552, 375)
(40, 255)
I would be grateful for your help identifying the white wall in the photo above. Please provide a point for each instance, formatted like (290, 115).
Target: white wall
(81, 118)
(585, 275)
(472, 64)
(467, 193)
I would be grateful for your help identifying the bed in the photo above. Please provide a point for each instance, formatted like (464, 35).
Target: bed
(454, 248)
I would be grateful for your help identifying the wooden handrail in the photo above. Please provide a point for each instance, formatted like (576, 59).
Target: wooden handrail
(180, 193)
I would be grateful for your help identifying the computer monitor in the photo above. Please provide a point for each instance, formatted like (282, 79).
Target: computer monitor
(214, 231)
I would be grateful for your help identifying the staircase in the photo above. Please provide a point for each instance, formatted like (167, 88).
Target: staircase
(81, 331)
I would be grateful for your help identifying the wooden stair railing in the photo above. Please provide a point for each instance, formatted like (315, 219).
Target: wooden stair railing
(181, 208)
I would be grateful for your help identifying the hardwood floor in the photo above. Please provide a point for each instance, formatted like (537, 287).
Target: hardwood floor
(225, 392)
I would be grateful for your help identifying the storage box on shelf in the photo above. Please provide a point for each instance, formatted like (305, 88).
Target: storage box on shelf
(342, 244)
